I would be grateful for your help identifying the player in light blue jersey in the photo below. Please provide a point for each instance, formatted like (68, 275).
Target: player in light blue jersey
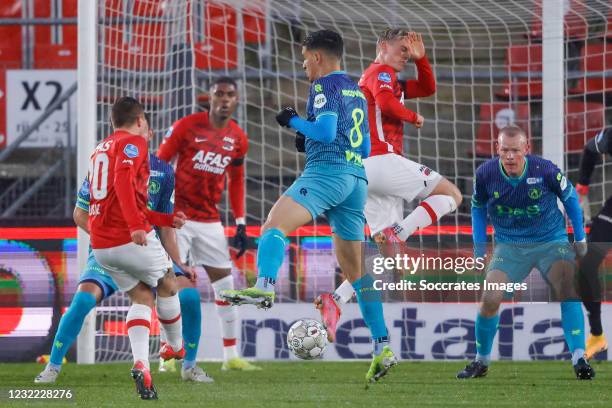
(95, 284)
(333, 183)
(519, 193)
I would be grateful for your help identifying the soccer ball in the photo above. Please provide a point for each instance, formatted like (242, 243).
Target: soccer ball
(307, 339)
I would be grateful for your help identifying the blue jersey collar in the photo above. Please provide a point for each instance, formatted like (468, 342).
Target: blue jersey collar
(514, 181)
(338, 72)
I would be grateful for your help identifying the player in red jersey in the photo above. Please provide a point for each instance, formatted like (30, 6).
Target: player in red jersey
(392, 178)
(209, 147)
(124, 242)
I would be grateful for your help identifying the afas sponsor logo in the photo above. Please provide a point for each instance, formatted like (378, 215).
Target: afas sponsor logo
(211, 162)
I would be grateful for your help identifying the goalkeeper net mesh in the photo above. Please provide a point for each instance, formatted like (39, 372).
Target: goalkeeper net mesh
(486, 55)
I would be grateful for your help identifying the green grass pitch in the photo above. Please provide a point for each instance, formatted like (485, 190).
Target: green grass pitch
(323, 384)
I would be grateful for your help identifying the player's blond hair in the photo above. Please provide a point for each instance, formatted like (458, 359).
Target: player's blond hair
(512, 131)
(390, 34)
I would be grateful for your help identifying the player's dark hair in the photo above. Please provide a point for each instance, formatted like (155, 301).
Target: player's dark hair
(224, 80)
(390, 34)
(327, 41)
(125, 111)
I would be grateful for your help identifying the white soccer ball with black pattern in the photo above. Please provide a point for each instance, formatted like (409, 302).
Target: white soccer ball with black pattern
(307, 339)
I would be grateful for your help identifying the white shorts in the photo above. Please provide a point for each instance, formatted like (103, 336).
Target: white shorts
(203, 243)
(129, 264)
(393, 179)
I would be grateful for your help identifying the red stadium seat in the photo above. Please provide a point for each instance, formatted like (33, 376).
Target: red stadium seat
(42, 32)
(254, 23)
(55, 56)
(574, 25)
(140, 8)
(582, 122)
(55, 47)
(595, 58)
(10, 36)
(522, 59)
(137, 47)
(217, 51)
(494, 116)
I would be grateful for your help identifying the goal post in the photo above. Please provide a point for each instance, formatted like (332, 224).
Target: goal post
(86, 141)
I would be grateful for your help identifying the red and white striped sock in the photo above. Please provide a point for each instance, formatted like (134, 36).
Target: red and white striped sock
(228, 317)
(138, 327)
(169, 314)
(428, 212)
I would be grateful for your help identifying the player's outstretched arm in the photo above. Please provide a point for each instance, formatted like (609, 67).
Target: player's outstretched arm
(323, 129)
(425, 84)
(167, 236)
(176, 220)
(574, 213)
(390, 106)
(566, 192)
(81, 217)
(172, 140)
(479, 216)
(366, 146)
(479, 231)
(236, 190)
(123, 182)
(600, 144)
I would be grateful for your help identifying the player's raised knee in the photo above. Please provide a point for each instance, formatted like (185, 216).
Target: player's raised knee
(167, 286)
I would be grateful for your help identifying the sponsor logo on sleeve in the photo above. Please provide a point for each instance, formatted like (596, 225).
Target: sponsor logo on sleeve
(130, 150)
(169, 132)
(318, 88)
(385, 77)
(563, 183)
(385, 86)
(320, 101)
(425, 170)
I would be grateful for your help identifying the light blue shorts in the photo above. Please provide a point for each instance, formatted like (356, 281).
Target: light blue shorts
(94, 273)
(341, 197)
(517, 260)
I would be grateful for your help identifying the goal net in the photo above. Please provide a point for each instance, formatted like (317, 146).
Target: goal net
(487, 58)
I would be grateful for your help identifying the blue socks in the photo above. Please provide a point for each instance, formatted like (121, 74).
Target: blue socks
(70, 326)
(270, 255)
(572, 321)
(486, 328)
(192, 324)
(370, 303)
